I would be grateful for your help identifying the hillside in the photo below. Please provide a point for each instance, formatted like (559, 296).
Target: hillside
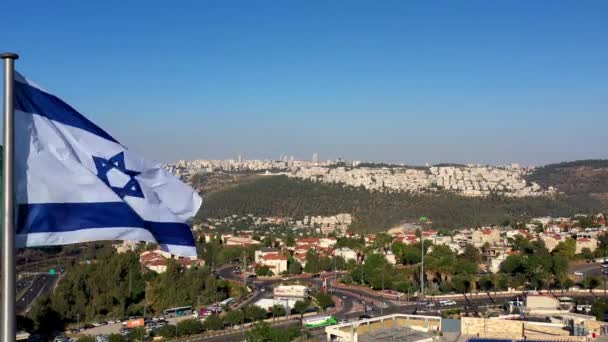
(375, 211)
(583, 177)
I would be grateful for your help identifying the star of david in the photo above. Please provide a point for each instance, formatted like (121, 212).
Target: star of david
(131, 187)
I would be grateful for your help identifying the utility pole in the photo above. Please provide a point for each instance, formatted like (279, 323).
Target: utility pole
(423, 219)
(382, 292)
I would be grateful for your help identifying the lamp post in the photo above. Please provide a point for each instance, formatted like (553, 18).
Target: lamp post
(423, 220)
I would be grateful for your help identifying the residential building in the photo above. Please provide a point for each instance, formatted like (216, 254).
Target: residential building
(582, 243)
(486, 235)
(346, 253)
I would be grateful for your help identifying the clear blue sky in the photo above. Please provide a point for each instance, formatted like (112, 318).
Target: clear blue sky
(399, 81)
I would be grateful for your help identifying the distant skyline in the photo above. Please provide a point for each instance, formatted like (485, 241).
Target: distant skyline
(393, 81)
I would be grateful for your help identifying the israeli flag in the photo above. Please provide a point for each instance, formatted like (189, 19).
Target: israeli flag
(76, 183)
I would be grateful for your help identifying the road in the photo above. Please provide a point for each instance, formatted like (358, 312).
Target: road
(39, 285)
(588, 269)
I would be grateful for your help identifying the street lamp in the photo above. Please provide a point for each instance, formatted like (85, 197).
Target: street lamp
(423, 220)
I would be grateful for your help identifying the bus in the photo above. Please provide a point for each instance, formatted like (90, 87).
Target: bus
(319, 322)
(226, 302)
(178, 312)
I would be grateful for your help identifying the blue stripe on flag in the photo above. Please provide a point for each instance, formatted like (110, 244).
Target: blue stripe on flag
(33, 100)
(65, 217)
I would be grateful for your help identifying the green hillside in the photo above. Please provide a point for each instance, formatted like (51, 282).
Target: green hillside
(374, 211)
(576, 177)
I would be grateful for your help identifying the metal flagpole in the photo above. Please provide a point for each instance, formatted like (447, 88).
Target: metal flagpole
(8, 324)
(422, 221)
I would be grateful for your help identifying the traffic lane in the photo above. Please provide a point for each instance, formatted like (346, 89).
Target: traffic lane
(40, 285)
(587, 269)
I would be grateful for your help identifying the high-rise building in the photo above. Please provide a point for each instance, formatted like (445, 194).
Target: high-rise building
(315, 158)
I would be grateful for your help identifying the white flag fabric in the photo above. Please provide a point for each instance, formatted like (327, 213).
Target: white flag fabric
(75, 183)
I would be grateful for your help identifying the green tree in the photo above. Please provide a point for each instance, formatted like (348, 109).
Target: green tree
(115, 338)
(587, 254)
(212, 322)
(136, 334)
(166, 331)
(312, 262)
(294, 266)
(86, 339)
(471, 253)
(263, 271)
(194, 326)
(255, 313)
(300, 307)
(324, 300)
(566, 248)
(234, 317)
(278, 310)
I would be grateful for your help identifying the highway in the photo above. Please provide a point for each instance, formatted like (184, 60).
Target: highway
(34, 287)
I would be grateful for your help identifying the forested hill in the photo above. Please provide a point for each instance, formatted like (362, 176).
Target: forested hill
(584, 177)
(374, 211)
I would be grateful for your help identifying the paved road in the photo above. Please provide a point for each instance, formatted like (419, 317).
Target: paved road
(39, 285)
(588, 269)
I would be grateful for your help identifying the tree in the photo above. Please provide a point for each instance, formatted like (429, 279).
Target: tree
(599, 308)
(324, 300)
(136, 334)
(486, 283)
(255, 313)
(461, 283)
(166, 331)
(294, 266)
(278, 310)
(513, 264)
(263, 271)
(263, 332)
(234, 317)
(194, 326)
(312, 262)
(119, 338)
(290, 241)
(300, 307)
(86, 339)
(213, 322)
(591, 283)
(587, 254)
(566, 248)
(46, 320)
(471, 253)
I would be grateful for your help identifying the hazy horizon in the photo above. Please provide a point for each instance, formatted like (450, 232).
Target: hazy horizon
(398, 82)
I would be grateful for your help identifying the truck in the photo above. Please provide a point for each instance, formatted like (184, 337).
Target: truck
(136, 322)
(287, 291)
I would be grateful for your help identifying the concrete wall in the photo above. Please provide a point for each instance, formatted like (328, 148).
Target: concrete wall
(488, 327)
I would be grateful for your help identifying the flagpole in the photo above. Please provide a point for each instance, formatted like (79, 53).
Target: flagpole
(8, 324)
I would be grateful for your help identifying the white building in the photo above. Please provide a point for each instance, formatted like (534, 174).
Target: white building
(346, 253)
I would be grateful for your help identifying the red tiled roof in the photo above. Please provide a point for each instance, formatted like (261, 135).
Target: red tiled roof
(274, 256)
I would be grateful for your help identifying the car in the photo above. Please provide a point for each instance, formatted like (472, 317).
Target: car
(263, 289)
(97, 324)
(576, 273)
(344, 297)
(343, 321)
